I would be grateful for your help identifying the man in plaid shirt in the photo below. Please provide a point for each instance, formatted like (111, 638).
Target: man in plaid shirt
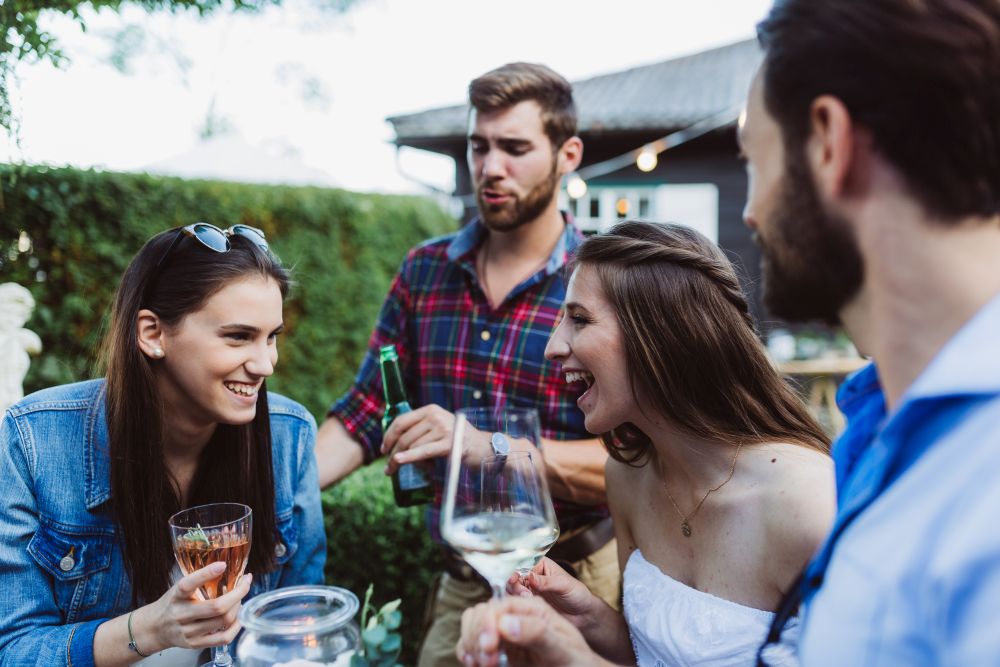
(470, 315)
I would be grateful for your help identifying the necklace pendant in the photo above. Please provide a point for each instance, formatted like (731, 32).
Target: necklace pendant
(686, 529)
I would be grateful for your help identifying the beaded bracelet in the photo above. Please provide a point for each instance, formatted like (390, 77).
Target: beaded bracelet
(131, 639)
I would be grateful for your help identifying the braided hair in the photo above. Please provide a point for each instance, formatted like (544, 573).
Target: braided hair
(692, 350)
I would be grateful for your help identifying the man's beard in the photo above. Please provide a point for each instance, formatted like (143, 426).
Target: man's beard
(518, 211)
(810, 261)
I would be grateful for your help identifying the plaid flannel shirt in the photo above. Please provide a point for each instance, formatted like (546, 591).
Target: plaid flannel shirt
(457, 351)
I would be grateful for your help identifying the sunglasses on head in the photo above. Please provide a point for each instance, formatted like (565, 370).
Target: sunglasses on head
(214, 238)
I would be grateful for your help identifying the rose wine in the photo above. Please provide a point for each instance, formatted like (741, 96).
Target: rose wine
(495, 544)
(198, 549)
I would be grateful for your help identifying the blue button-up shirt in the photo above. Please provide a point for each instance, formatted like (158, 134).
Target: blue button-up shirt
(910, 574)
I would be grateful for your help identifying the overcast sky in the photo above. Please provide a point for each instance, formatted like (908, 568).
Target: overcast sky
(317, 87)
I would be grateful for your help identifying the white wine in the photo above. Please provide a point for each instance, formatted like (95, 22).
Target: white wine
(495, 544)
(545, 543)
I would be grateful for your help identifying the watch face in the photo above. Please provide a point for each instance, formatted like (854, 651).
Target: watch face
(501, 446)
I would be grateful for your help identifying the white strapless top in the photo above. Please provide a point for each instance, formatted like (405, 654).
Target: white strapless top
(674, 625)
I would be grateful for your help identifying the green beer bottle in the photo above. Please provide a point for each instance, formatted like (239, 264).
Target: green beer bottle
(410, 484)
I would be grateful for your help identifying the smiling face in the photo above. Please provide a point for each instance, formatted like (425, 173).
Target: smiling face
(513, 164)
(588, 344)
(217, 357)
(809, 259)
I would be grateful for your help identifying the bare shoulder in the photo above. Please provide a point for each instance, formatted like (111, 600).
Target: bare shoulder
(620, 478)
(797, 502)
(624, 488)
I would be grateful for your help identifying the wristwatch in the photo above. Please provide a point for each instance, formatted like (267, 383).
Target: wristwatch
(500, 444)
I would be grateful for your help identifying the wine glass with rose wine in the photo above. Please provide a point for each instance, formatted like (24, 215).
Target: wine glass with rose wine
(209, 534)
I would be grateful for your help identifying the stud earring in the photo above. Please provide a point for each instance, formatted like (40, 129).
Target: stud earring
(158, 353)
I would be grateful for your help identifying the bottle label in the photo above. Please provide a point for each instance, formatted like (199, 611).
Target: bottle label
(411, 476)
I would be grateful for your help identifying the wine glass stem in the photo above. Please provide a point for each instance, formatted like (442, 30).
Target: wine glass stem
(498, 593)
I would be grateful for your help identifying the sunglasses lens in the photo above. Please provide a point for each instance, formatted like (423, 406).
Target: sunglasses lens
(251, 233)
(211, 236)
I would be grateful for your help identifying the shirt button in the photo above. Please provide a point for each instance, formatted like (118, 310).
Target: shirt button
(67, 563)
(485, 335)
(477, 394)
(280, 550)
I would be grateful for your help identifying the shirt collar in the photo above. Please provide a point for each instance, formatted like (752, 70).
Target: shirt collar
(968, 364)
(471, 236)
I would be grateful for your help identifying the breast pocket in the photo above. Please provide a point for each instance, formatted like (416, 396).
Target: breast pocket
(78, 558)
(288, 539)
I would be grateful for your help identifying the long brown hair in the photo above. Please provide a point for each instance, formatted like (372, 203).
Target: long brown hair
(691, 349)
(235, 465)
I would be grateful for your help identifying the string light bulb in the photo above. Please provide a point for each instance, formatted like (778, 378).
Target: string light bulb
(646, 159)
(576, 187)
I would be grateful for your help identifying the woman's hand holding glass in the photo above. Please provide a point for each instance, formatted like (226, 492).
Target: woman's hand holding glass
(566, 594)
(216, 536)
(182, 617)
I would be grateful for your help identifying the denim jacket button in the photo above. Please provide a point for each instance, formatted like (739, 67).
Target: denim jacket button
(280, 550)
(67, 563)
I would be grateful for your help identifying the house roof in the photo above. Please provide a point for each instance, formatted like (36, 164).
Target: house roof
(663, 96)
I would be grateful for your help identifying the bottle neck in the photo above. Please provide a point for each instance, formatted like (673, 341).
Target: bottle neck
(392, 383)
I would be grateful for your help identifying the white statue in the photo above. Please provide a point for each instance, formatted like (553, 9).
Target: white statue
(16, 342)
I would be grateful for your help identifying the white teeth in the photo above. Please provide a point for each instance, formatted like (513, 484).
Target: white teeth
(577, 376)
(244, 389)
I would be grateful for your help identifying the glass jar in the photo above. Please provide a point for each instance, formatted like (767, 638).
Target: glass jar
(299, 626)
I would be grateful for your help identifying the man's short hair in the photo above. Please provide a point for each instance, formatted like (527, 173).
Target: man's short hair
(514, 83)
(923, 76)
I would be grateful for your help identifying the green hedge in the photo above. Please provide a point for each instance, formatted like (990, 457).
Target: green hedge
(344, 248)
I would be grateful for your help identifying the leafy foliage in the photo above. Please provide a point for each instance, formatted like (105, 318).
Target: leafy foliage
(380, 639)
(81, 228)
(370, 539)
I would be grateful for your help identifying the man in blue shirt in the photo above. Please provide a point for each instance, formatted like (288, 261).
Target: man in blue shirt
(872, 135)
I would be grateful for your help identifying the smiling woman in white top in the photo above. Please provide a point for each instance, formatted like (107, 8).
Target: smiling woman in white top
(719, 482)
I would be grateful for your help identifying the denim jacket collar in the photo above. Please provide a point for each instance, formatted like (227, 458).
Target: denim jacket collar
(96, 458)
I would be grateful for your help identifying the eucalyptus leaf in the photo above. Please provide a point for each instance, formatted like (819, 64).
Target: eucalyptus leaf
(389, 607)
(392, 643)
(393, 620)
(374, 636)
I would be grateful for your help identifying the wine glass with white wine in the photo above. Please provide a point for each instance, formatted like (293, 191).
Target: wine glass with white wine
(208, 534)
(497, 512)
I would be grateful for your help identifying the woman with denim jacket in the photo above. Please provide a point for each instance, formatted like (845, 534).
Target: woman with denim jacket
(94, 470)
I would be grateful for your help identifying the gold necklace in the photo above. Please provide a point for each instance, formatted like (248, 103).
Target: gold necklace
(685, 520)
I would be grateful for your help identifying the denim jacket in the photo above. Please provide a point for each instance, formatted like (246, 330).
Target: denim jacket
(61, 561)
